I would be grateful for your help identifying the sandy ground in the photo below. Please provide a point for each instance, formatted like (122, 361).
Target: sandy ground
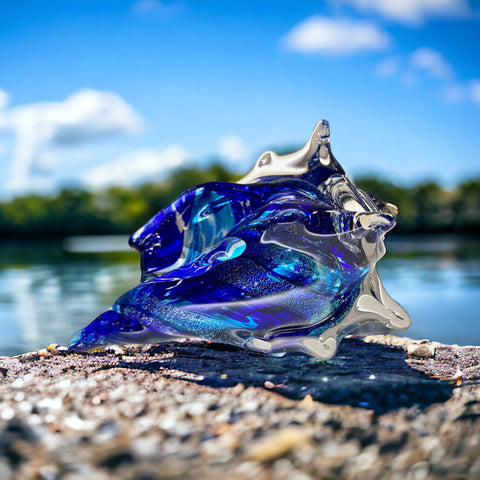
(384, 407)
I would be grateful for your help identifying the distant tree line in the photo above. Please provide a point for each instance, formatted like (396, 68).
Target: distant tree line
(429, 208)
(424, 208)
(114, 210)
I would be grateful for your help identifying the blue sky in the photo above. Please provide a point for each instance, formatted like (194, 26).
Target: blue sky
(98, 92)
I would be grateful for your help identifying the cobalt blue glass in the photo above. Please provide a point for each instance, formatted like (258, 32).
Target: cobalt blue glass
(284, 260)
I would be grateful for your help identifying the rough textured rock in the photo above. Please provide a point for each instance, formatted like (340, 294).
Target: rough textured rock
(384, 407)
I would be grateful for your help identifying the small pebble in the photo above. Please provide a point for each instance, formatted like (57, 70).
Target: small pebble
(422, 350)
(19, 396)
(307, 401)
(7, 413)
(18, 383)
(76, 423)
(280, 443)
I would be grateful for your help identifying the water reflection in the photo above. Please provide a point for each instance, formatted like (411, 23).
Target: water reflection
(47, 293)
(438, 284)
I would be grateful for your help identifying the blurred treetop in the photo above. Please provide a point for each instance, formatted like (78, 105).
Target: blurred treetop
(424, 208)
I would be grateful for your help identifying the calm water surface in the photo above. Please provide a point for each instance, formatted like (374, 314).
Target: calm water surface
(47, 293)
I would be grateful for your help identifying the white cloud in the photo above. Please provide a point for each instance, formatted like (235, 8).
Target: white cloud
(412, 11)
(432, 62)
(4, 99)
(420, 63)
(336, 36)
(460, 92)
(388, 67)
(232, 148)
(135, 167)
(453, 93)
(155, 8)
(40, 185)
(83, 116)
(474, 90)
(408, 70)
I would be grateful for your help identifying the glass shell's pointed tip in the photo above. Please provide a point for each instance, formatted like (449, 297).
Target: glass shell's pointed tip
(75, 342)
(84, 340)
(322, 131)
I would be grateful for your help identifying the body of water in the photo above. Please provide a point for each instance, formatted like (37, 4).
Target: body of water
(49, 291)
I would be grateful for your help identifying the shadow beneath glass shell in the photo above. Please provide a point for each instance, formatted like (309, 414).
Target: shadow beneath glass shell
(369, 376)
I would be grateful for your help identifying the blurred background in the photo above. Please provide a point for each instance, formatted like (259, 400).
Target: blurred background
(110, 108)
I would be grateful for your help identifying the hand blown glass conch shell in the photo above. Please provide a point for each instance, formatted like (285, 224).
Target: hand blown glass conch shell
(283, 260)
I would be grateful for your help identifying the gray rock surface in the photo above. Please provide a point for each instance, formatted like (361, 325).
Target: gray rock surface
(384, 407)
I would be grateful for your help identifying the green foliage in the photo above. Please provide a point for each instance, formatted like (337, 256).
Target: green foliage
(111, 211)
(391, 193)
(425, 207)
(428, 208)
(466, 206)
(434, 208)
